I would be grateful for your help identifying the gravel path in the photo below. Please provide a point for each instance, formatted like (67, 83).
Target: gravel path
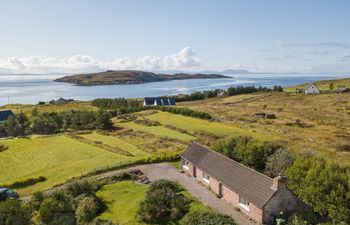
(167, 171)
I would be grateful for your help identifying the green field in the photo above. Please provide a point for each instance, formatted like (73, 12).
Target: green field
(123, 199)
(159, 131)
(56, 157)
(115, 142)
(192, 125)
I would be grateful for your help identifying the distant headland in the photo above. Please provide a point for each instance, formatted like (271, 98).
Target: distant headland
(115, 77)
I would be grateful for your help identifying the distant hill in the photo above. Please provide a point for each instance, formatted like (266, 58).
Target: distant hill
(228, 71)
(114, 77)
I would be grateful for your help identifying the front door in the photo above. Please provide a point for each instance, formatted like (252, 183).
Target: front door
(194, 171)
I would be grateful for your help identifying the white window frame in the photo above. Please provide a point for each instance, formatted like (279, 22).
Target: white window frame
(244, 203)
(206, 177)
(185, 165)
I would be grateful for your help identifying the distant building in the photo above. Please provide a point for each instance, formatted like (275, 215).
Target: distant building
(342, 90)
(258, 196)
(60, 101)
(309, 89)
(4, 115)
(159, 101)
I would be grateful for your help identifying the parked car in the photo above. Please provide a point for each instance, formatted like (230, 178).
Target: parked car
(6, 193)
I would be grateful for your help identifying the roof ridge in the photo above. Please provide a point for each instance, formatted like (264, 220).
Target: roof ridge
(194, 142)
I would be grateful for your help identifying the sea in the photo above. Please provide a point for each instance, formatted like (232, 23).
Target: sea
(30, 89)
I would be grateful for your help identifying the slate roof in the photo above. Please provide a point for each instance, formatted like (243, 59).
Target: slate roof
(5, 114)
(160, 101)
(250, 184)
(309, 85)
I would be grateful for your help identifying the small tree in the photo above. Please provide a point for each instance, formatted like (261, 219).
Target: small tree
(331, 86)
(278, 162)
(13, 212)
(88, 207)
(12, 127)
(163, 202)
(296, 220)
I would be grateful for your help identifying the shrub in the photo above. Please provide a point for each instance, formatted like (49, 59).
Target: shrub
(163, 202)
(296, 220)
(87, 208)
(207, 218)
(186, 112)
(13, 212)
(278, 162)
(99, 221)
(81, 187)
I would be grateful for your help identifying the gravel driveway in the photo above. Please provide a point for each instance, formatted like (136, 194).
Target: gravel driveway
(167, 171)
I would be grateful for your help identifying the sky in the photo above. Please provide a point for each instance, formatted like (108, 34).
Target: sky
(70, 36)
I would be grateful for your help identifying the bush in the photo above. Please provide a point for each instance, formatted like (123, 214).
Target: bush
(99, 221)
(207, 218)
(278, 162)
(296, 220)
(13, 212)
(87, 208)
(247, 150)
(81, 187)
(186, 112)
(163, 202)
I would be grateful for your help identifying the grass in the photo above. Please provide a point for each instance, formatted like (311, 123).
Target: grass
(159, 131)
(323, 85)
(123, 199)
(56, 157)
(327, 117)
(192, 125)
(116, 142)
(27, 109)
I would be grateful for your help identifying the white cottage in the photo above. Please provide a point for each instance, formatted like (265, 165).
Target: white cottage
(310, 89)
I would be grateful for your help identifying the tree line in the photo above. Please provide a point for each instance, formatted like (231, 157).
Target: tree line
(53, 122)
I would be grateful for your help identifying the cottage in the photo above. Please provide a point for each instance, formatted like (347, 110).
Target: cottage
(60, 101)
(257, 195)
(4, 115)
(309, 89)
(159, 101)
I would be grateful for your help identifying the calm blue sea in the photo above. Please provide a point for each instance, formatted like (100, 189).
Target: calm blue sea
(33, 88)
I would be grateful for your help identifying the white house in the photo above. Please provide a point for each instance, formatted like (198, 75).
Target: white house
(310, 89)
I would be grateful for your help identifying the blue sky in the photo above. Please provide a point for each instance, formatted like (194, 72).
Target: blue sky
(41, 36)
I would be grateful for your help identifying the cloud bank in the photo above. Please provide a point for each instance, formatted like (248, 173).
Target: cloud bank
(186, 58)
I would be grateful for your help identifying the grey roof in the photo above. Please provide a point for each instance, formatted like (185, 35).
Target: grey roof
(5, 114)
(250, 184)
(311, 84)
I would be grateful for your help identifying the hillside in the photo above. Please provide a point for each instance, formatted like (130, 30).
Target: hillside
(114, 77)
(324, 85)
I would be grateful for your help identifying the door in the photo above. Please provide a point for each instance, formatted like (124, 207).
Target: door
(194, 171)
(220, 190)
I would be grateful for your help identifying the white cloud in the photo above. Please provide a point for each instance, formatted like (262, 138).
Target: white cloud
(186, 58)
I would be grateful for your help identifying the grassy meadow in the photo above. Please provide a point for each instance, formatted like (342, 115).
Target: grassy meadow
(304, 122)
(323, 85)
(123, 199)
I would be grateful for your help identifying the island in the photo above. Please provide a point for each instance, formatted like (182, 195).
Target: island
(115, 77)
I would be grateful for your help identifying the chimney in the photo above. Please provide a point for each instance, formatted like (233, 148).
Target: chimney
(278, 182)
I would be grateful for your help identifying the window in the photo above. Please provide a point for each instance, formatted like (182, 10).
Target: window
(206, 177)
(243, 203)
(185, 165)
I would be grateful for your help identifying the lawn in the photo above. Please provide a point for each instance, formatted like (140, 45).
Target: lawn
(123, 200)
(159, 131)
(56, 157)
(114, 141)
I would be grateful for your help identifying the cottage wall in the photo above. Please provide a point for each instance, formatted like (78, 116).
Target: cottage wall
(283, 201)
(228, 195)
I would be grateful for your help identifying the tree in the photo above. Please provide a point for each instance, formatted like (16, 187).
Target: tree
(87, 208)
(13, 212)
(331, 86)
(103, 120)
(23, 122)
(163, 202)
(278, 162)
(207, 218)
(44, 125)
(12, 127)
(323, 185)
(99, 221)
